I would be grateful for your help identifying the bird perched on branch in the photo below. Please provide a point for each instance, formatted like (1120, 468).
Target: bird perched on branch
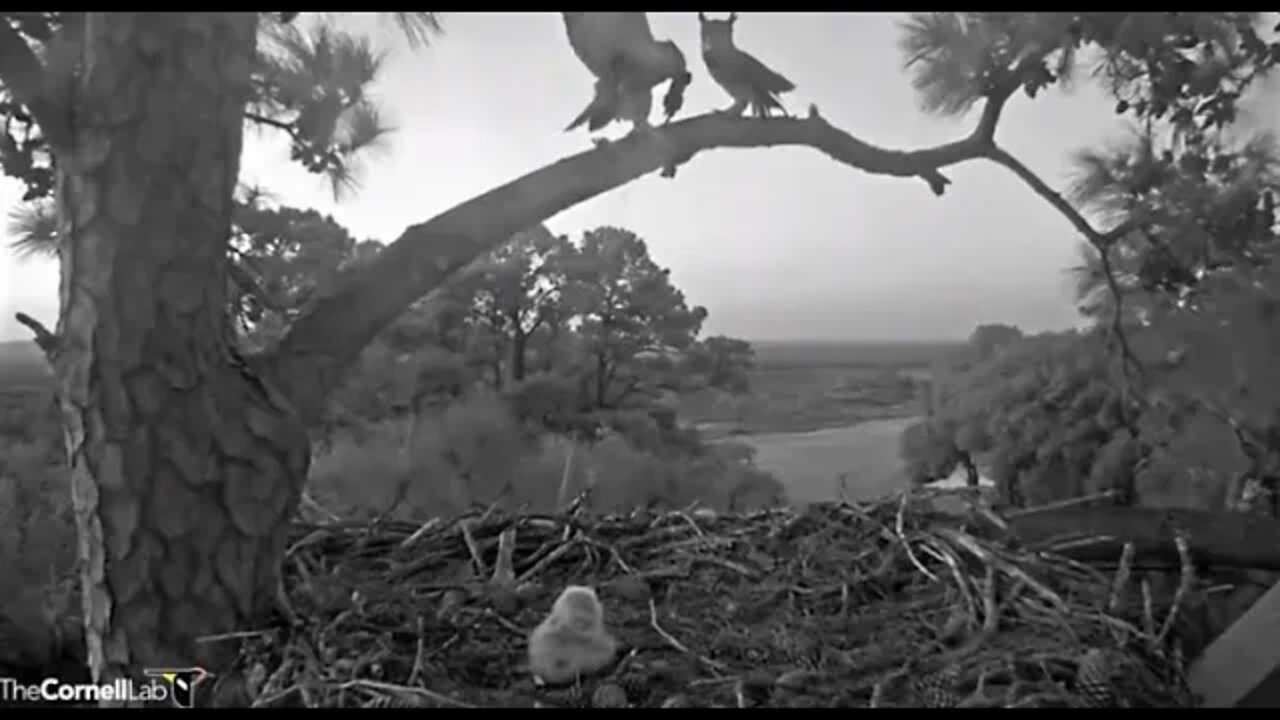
(747, 80)
(620, 51)
(572, 640)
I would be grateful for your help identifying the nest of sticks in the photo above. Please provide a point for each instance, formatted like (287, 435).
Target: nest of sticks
(878, 604)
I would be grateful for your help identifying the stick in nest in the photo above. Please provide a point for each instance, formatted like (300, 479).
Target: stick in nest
(464, 527)
(504, 569)
(1148, 613)
(899, 529)
(1121, 582)
(990, 608)
(673, 642)
(419, 655)
(549, 558)
(401, 691)
(1186, 580)
(877, 696)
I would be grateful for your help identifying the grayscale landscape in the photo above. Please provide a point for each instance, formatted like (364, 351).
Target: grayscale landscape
(688, 359)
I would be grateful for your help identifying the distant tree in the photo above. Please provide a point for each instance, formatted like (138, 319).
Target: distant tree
(514, 292)
(278, 258)
(282, 257)
(988, 339)
(1038, 415)
(1192, 291)
(631, 319)
(722, 362)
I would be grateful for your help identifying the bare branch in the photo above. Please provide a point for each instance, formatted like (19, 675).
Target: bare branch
(23, 75)
(1101, 241)
(1053, 197)
(271, 122)
(47, 341)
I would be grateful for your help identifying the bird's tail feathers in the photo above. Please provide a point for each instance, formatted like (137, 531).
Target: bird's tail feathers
(599, 112)
(763, 105)
(581, 118)
(594, 116)
(599, 119)
(771, 81)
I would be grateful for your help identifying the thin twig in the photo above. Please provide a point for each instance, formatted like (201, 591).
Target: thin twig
(421, 532)
(503, 568)
(1186, 580)
(551, 557)
(679, 646)
(990, 608)
(1061, 504)
(899, 526)
(1148, 613)
(1121, 582)
(464, 527)
(419, 654)
(403, 690)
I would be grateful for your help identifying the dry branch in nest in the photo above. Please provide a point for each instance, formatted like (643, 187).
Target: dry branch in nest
(838, 605)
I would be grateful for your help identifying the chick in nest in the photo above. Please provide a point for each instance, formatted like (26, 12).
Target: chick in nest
(571, 641)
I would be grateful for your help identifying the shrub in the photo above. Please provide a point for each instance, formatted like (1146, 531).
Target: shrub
(37, 529)
(475, 453)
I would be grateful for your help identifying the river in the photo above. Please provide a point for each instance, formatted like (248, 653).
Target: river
(809, 463)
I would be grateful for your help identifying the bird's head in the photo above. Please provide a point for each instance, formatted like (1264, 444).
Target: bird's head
(579, 608)
(717, 34)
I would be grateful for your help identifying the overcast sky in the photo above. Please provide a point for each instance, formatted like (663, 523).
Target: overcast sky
(776, 243)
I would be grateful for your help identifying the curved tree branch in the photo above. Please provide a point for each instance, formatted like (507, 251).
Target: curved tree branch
(1040, 187)
(309, 360)
(1101, 241)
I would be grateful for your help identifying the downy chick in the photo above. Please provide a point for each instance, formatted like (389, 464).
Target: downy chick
(747, 80)
(620, 51)
(572, 640)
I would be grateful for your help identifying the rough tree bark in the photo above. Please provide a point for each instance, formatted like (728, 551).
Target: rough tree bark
(184, 468)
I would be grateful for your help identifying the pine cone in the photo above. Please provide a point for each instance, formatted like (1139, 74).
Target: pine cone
(609, 695)
(636, 686)
(938, 690)
(1093, 679)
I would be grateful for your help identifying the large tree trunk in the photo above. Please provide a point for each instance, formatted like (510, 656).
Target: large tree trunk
(185, 469)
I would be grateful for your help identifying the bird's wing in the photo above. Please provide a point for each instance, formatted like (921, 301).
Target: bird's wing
(734, 67)
(762, 77)
(720, 70)
(602, 109)
(600, 38)
(635, 104)
(594, 38)
(636, 26)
